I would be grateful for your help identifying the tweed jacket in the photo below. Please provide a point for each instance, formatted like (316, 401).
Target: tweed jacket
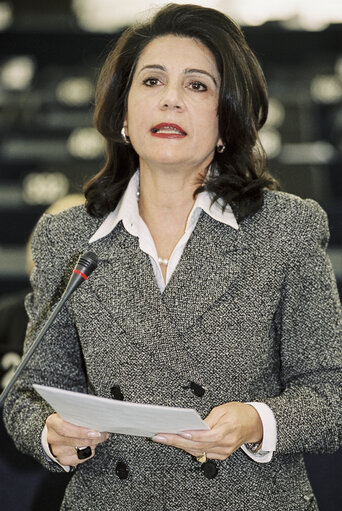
(248, 315)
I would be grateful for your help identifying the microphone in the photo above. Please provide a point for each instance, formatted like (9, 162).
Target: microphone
(86, 264)
(84, 267)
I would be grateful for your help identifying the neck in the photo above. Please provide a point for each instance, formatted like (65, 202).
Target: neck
(168, 194)
(166, 199)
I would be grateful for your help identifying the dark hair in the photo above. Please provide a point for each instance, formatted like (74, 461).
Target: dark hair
(238, 175)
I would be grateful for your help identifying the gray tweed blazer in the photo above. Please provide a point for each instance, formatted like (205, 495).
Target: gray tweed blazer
(248, 315)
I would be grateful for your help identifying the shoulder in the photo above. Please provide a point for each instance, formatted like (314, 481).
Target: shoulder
(63, 235)
(73, 225)
(292, 207)
(285, 219)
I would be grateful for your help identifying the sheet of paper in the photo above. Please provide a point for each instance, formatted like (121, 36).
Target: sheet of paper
(122, 417)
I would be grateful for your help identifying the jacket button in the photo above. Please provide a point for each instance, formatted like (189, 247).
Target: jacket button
(121, 470)
(209, 469)
(197, 389)
(116, 393)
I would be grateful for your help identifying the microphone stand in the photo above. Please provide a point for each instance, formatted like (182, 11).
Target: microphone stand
(85, 266)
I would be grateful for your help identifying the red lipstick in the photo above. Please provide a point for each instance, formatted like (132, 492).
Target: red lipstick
(168, 130)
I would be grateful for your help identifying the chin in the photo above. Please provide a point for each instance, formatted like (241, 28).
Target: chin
(172, 162)
(166, 158)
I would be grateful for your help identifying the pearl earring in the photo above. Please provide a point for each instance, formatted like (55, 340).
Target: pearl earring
(125, 138)
(220, 148)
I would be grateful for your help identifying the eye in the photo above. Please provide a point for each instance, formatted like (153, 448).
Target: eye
(198, 86)
(151, 82)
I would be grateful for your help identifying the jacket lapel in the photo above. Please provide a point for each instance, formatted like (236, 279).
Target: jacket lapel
(124, 284)
(211, 262)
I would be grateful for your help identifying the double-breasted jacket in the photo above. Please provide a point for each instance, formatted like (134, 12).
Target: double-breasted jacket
(248, 315)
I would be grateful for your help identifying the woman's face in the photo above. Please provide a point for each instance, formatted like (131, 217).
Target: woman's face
(172, 104)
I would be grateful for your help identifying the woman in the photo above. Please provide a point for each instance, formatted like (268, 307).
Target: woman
(212, 291)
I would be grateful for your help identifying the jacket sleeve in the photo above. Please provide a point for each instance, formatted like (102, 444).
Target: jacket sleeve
(308, 411)
(58, 359)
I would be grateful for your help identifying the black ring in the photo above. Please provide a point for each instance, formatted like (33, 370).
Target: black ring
(83, 453)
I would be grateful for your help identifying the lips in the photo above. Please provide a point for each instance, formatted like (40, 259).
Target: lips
(168, 130)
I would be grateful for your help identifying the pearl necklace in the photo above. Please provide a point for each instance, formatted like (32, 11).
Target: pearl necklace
(165, 262)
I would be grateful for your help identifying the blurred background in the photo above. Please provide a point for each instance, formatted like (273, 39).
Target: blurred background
(50, 54)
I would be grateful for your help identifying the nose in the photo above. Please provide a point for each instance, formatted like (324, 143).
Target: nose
(171, 98)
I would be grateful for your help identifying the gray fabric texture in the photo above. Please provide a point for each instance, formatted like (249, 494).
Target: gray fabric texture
(250, 315)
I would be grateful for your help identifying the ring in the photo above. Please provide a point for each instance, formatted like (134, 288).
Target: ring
(203, 458)
(83, 452)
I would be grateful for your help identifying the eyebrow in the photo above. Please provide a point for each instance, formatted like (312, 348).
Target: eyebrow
(186, 71)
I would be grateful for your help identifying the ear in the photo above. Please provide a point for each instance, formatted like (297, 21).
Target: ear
(219, 142)
(125, 123)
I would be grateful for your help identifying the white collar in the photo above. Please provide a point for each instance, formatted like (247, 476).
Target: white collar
(127, 210)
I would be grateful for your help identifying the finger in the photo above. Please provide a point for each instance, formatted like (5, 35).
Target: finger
(64, 428)
(54, 438)
(219, 457)
(222, 440)
(214, 454)
(219, 449)
(214, 435)
(181, 443)
(68, 456)
(226, 431)
(197, 449)
(75, 442)
(220, 421)
(61, 452)
(203, 435)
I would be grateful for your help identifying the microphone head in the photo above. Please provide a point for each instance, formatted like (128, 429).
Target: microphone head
(87, 263)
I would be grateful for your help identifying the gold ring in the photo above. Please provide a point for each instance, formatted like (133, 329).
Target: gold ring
(203, 458)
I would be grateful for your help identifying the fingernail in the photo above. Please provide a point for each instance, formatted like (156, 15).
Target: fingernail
(94, 434)
(185, 435)
(159, 438)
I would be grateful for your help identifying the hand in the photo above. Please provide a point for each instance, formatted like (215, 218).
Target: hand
(231, 425)
(63, 438)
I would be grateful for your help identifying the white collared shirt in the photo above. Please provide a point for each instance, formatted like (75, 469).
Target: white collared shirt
(127, 211)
